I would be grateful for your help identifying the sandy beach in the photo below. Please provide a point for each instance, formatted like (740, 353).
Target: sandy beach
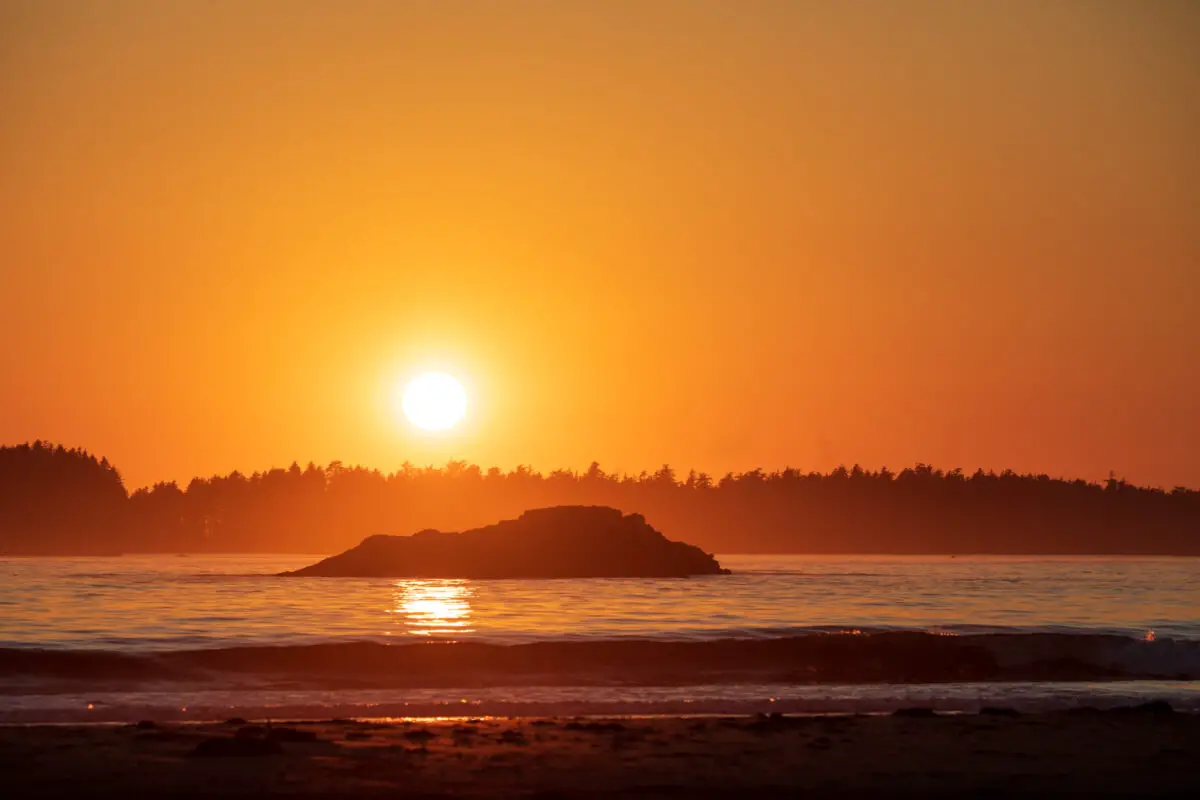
(1135, 752)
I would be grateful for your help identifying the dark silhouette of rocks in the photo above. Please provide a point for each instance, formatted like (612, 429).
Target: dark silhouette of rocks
(776, 723)
(251, 732)
(290, 735)
(918, 712)
(1156, 707)
(559, 542)
(999, 711)
(595, 727)
(221, 747)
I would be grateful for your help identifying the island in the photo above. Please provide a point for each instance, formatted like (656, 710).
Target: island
(558, 542)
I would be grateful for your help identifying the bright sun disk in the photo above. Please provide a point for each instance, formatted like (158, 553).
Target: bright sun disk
(434, 401)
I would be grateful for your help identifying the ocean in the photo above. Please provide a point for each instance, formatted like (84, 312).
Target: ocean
(108, 639)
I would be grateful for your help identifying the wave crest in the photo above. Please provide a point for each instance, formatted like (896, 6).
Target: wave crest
(831, 656)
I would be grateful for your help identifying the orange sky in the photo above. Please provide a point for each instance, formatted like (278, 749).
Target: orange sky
(716, 234)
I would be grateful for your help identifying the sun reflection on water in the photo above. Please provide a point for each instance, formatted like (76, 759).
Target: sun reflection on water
(434, 607)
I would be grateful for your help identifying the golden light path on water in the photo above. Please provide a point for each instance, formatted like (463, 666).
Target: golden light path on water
(157, 602)
(429, 607)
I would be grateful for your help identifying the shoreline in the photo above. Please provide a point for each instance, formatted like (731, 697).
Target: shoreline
(1153, 707)
(1139, 751)
(183, 704)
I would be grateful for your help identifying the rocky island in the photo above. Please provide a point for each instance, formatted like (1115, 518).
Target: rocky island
(559, 542)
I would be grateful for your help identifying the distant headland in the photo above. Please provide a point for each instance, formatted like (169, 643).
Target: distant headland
(559, 542)
(60, 501)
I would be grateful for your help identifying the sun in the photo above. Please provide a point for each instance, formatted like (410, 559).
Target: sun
(434, 401)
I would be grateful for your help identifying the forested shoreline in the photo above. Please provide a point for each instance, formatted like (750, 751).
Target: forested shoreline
(60, 501)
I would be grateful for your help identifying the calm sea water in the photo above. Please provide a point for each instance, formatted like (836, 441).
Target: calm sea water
(156, 603)
(174, 602)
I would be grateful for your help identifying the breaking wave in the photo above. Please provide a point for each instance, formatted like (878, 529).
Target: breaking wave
(826, 656)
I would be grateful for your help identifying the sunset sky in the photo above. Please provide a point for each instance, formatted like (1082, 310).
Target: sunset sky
(716, 234)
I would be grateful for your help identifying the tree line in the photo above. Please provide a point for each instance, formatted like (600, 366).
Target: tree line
(55, 500)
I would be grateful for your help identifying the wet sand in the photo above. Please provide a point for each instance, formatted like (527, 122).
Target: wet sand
(1150, 751)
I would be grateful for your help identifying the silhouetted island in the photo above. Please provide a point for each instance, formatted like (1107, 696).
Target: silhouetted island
(559, 542)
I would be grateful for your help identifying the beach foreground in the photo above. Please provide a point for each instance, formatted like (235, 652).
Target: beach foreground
(1143, 751)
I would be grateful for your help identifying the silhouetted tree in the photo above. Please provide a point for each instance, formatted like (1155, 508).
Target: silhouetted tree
(55, 500)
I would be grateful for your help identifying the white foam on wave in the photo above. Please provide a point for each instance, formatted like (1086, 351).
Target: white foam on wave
(184, 704)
